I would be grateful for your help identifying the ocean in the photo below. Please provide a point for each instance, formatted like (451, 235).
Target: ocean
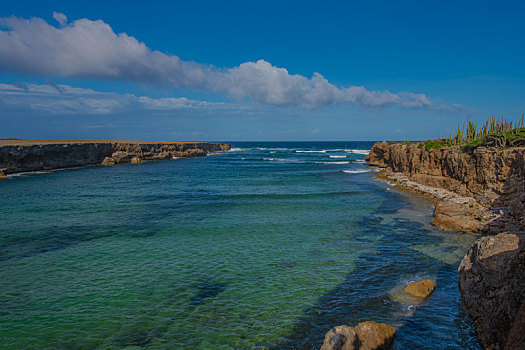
(267, 246)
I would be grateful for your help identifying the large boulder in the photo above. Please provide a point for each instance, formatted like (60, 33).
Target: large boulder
(492, 285)
(367, 335)
(373, 335)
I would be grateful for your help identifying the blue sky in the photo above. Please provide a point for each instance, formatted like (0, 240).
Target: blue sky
(272, 70)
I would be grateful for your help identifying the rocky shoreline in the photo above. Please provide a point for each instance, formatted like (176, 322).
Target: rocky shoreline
(18, 156)
(478, 191)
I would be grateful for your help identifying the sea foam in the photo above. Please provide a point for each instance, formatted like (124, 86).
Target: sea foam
(356, 171)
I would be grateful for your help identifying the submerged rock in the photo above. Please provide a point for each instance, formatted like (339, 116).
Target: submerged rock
(492, 285)
(421, 289)
(367, 335)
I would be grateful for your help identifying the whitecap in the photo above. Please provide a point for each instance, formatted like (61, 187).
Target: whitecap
(356, 171)
(332, 162)
(322, 151)
(236, 149)
(337, 156)
(358, 151)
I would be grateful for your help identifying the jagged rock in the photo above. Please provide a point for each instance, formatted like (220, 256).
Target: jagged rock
(108, 161)
(341, 338)
(120, 157)
(2, 174)
(421, 289)
(373, 335)
(136, 160)
(367, 335)
(516, 337)
(492, 285)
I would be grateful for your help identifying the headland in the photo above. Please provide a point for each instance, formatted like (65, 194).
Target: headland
(17, 155)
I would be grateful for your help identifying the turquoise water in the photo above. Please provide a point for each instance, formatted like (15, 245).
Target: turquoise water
(266, 246)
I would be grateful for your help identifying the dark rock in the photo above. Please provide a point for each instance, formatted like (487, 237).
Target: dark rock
(492, 285)
(516, 337)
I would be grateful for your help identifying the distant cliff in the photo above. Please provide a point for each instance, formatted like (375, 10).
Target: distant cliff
(492, 273)
(28, 155)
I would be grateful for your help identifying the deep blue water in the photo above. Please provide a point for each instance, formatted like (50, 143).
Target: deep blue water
(267, 246)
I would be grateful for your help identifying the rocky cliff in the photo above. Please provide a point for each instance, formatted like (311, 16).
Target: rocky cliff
(494, 178)
(479, 190)
(27, 155)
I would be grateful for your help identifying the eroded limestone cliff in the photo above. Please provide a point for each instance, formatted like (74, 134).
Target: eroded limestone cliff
(482, 190)
(26, 155)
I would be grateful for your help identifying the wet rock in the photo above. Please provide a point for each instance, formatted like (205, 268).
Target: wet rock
(421, 289)
(373, 335)
(492, 285)
(108, 161)
(2, 174)
(341, 338)
(136, 160)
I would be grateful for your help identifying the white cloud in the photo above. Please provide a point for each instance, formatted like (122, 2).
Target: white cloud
(65, 99)
(89, 49)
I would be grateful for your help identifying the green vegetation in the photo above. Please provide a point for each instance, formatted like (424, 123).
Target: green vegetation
(494, 133)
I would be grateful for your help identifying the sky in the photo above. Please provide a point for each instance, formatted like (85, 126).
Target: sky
(249, 71)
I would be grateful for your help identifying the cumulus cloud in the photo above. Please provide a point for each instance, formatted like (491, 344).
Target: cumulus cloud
(87, 49)
(65, 99)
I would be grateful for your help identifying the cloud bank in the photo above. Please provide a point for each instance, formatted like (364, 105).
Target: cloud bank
(65, 99)
(87, 49)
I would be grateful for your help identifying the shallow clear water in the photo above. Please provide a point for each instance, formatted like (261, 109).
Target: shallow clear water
(267, 246)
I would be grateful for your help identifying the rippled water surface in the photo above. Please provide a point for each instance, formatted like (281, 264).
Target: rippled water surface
(267, 246)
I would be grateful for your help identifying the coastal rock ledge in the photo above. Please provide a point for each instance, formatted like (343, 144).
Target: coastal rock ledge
(33, 155)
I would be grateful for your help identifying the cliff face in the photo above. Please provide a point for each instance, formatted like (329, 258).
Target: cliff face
(492, 177)
(492, 273)
(47, 155)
